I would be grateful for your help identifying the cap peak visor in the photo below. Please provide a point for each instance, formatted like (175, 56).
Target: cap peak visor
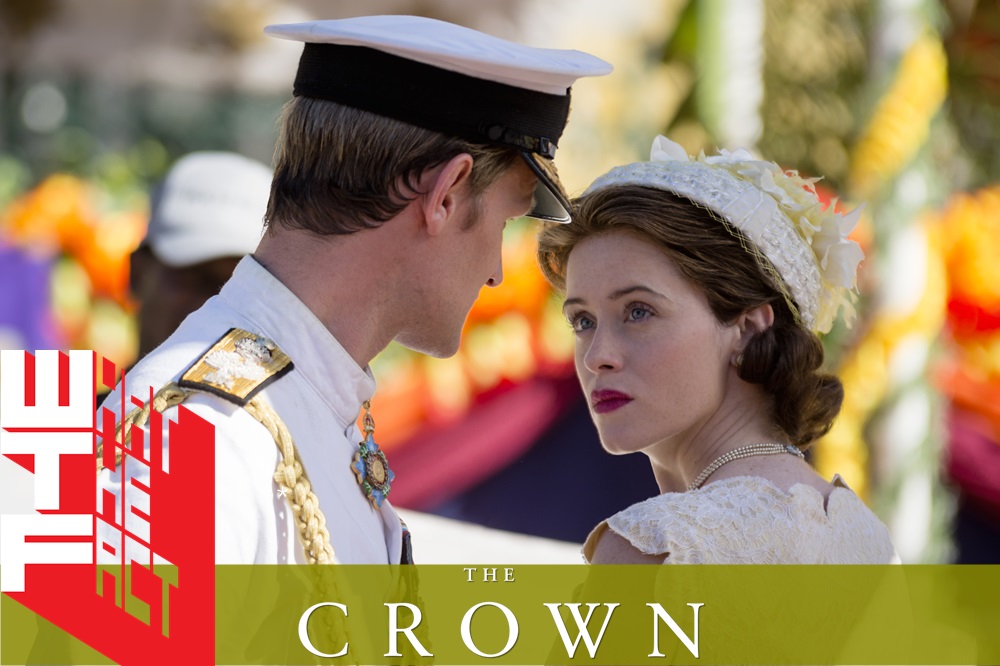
(551, 203)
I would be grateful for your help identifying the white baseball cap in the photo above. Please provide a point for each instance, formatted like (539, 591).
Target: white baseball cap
(449, 79)
(210, 205)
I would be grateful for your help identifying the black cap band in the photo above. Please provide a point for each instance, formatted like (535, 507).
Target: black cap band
(454, 104)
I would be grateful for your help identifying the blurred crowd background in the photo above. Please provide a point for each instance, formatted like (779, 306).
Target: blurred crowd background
(895, 102)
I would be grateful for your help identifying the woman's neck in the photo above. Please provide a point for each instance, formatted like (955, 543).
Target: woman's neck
(742, 418)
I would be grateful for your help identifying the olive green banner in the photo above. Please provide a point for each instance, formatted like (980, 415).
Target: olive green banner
(593, 615)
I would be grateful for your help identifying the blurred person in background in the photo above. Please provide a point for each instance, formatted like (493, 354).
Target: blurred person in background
(696, 289)
(206, 214)
(408, 144)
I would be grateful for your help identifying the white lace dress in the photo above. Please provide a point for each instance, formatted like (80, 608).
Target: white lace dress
(749, 520)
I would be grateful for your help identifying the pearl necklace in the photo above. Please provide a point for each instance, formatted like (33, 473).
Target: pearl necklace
(748, 451)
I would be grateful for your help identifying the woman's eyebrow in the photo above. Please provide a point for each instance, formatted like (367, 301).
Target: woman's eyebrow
(625, 291)
(618, 293)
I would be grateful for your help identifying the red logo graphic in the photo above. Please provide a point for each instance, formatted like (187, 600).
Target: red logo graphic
(130, 572)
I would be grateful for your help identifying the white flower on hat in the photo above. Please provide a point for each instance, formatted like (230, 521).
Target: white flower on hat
(825, 231)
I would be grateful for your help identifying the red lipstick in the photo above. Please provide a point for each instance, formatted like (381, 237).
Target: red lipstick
(608, 401)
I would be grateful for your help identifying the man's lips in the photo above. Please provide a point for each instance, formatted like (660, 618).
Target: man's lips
(608, 401)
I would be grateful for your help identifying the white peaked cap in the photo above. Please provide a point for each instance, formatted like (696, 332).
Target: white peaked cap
(449, 79)
(453, 48)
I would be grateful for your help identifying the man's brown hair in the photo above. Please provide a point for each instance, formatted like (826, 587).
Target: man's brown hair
(339, 169)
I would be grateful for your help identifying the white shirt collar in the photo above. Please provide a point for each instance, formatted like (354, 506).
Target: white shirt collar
(278, 314)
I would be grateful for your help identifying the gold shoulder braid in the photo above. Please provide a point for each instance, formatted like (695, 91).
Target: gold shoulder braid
(236, 368)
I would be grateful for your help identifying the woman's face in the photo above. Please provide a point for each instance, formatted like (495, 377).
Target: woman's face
(651, 357)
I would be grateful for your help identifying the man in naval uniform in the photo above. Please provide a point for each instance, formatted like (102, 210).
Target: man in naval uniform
(407, 145)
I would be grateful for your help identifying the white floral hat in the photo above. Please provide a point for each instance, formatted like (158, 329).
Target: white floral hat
(776, 210)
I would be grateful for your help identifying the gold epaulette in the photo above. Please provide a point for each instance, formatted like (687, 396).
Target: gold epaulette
(237, 366)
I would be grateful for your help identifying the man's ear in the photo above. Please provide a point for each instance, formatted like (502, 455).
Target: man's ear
(752, 322)
(444, 190)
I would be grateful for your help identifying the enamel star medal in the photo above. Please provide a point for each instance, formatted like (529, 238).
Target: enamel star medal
(370, 465)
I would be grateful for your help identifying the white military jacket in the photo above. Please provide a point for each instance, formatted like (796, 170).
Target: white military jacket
(319, 401)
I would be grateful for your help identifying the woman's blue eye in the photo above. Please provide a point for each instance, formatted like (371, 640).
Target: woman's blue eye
(637, 312)
(581, 323)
